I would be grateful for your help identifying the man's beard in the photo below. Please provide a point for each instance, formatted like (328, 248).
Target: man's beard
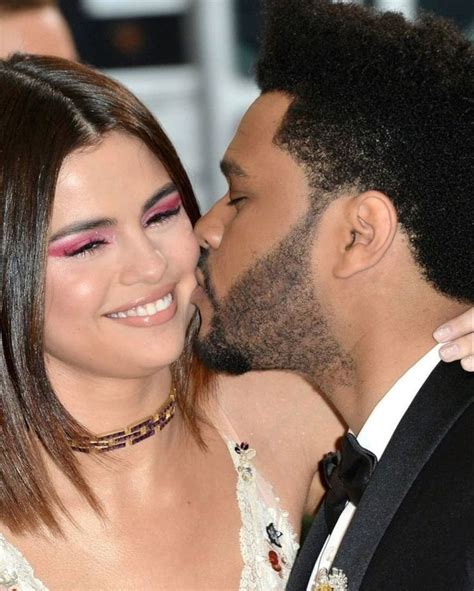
(271, 317)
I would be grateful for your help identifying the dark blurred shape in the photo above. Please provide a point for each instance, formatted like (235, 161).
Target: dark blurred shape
(460, 11)
(128, 38)
(248, 24)
(123, 42)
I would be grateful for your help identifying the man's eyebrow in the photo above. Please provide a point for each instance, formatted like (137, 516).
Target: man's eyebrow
(231, 168)
(108, 222)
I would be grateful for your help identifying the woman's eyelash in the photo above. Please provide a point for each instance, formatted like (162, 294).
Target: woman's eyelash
(87, 249)
(162, 216)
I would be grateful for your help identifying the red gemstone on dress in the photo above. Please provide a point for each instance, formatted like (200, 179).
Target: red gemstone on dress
(274, 560)
(273, 556)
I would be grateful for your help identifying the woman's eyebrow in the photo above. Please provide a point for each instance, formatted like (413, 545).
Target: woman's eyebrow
(160, 194)
(83, 226)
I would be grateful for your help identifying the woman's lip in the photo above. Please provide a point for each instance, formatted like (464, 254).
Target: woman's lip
(150, 321)
(156, 295)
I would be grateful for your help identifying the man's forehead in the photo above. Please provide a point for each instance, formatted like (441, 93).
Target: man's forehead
(264, 115)
(258, 165)
(256, 130)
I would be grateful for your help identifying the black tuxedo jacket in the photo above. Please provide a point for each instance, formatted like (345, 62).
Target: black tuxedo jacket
(414, 527)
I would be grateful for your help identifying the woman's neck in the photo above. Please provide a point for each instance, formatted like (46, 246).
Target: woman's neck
(102, 403)
(110, 404)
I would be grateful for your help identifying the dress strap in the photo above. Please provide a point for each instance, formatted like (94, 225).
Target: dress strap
(223, 425)
(268, 544)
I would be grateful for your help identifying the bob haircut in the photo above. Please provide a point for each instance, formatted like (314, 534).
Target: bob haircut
(50, 107)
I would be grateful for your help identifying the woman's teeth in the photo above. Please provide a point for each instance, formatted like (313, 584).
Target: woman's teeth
(147, 309)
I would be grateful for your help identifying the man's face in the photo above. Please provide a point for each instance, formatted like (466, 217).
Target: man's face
(260, 309)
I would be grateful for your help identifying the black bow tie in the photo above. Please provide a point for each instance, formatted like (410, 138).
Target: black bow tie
(347, 474)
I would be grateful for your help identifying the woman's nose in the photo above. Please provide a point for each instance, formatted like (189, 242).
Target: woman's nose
(145, 263)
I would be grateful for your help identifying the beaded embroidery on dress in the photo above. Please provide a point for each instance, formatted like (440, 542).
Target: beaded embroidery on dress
(15, 572)
(268, 543)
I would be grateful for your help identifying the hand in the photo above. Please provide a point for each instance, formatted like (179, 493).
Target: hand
(458, 334)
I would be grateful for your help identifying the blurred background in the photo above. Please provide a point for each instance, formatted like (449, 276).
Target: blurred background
(190, 61)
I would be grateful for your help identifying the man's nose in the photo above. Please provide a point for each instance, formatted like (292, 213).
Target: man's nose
(209, 229)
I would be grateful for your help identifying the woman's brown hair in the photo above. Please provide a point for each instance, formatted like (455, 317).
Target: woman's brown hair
(50, 107)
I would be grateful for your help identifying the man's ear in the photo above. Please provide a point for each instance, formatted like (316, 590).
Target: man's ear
(370, 225)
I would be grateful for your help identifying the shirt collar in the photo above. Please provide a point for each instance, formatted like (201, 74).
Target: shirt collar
(383, 420)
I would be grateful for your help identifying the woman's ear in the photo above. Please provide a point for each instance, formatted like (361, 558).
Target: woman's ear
(370, 227)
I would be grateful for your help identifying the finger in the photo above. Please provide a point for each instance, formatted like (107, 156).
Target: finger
(468, 363)
(461, 325)
(460, 348)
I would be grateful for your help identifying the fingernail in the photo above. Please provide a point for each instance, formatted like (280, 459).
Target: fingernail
(468, 363)
(443, 333)
(450, 352)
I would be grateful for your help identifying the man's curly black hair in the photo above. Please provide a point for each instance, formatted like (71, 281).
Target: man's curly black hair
(387, 104)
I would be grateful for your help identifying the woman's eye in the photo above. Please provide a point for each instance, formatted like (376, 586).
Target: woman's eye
(86, 249)
(162, 216)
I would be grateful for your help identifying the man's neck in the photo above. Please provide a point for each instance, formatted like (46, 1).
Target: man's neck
(382, 338)
(377, 373)
(377, 366)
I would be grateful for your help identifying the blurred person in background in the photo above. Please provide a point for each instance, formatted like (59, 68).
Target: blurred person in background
(34, 26)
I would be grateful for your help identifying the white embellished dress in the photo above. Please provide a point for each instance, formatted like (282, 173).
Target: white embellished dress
(268, 543)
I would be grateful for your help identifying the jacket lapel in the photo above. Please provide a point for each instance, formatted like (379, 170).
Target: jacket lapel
(439, 403)
(309, 552)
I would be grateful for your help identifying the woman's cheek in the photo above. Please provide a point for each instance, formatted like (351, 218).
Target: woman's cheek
(193, 244)
(71, 292)
(182, 247)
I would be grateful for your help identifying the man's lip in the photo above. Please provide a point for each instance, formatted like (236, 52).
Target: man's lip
(148, 299)
(198, 295)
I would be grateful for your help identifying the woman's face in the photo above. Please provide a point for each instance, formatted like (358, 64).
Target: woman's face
(121, 260)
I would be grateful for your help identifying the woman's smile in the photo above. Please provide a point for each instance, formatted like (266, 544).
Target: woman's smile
(147, 311)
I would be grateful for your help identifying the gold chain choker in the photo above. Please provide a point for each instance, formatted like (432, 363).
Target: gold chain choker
(132, 434)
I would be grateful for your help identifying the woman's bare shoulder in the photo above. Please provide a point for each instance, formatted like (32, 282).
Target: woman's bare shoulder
(289, 424)
(280, 409)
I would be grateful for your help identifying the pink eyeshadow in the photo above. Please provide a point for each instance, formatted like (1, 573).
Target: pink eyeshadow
(69, 244)
(170, 202)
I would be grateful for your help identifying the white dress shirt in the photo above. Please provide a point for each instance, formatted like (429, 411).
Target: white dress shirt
(375, 436)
